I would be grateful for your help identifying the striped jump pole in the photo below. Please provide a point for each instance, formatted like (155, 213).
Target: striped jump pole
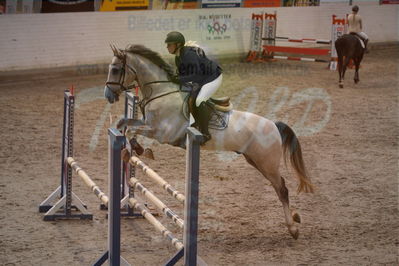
(157, 202)
(89, 182)
(288, 39)
(159, 226)
(158, 179)
(297, 58)
(295, 50)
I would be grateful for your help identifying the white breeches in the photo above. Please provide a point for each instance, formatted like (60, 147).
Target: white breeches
(208, 90)
(364, 35)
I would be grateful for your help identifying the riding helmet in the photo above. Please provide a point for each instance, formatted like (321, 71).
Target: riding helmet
(355, 8)
(175, 37)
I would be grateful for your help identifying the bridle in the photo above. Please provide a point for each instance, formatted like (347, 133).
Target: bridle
(121, 55)
(120, 83)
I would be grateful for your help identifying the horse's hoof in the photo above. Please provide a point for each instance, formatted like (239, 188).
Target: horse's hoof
(294, 231)
(296, 217)
(341, 85)
(149, 154)
(356, 81)
(121, 123)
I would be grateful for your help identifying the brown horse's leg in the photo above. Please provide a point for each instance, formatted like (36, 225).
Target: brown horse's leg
(346, 62)
(357, 65)
(340, 64)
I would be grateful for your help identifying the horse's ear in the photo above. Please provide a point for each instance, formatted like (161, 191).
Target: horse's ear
(120, 53)
(114, 49)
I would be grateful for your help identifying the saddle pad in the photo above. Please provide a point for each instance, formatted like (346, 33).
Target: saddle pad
(219, 120)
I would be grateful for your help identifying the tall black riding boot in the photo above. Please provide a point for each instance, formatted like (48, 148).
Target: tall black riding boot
(192, 109)
(203, 115)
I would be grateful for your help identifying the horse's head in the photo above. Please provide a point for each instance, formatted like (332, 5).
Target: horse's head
(120, 73)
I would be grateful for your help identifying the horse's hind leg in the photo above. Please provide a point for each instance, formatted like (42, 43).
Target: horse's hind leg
(357, 65)
(345, 65)
(340, 65)
(278, 184)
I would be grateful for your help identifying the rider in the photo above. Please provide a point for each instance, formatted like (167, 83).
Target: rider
(196, 71)
(355, 25)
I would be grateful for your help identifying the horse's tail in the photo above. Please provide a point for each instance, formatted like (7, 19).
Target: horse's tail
(291, 143)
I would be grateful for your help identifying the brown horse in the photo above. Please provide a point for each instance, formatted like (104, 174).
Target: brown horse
(349, 47)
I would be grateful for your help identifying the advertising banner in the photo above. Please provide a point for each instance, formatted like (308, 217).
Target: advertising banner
(215, 27)
(124, 5)
(52, 6)
(220, 3)
(262, 3)
(175, 4)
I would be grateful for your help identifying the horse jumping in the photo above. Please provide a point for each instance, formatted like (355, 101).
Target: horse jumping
(349, 47)
(262, 142)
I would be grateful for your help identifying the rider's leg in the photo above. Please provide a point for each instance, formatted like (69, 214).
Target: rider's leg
(365, 40)
(201, 115)
(198, 108)
(192, 108)
(208, 90)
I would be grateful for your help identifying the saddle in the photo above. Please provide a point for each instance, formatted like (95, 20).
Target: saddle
(222, 104)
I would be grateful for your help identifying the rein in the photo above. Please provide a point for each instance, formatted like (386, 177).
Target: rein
(144, 102)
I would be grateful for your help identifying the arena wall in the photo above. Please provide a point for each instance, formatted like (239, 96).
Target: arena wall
(30, 41)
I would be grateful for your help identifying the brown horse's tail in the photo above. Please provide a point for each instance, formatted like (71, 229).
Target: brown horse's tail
(291, 143)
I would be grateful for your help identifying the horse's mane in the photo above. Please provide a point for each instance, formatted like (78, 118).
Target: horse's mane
(154, 57)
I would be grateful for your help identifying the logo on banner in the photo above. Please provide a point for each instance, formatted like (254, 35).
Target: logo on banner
(215, 27)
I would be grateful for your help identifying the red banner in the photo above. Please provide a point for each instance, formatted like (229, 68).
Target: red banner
(389, 2)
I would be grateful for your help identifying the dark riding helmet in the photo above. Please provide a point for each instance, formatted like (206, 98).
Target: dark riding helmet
(175, 37)
(355, 8)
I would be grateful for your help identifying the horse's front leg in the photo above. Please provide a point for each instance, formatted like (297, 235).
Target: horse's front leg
(136, 127)
(129, 122)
